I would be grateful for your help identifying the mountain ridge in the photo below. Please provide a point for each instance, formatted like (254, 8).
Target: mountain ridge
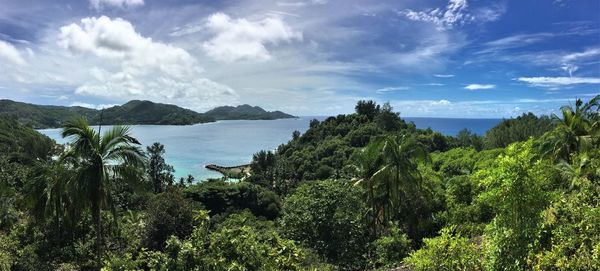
(131, 113)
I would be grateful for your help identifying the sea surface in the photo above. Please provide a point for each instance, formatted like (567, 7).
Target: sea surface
(233, 142)
(451, 126)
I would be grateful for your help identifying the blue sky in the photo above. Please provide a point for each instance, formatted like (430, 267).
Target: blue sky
(443, 58)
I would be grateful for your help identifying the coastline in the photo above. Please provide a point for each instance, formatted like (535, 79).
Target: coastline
(237, 172)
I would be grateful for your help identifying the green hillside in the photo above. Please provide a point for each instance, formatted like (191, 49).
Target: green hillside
(245, 112)
(146, 112)
(43, 116)
(132, 112)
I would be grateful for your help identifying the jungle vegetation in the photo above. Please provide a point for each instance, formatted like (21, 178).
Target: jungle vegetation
(363, 191)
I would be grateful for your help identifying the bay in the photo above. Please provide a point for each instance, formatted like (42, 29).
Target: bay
(233, 142)
(227, 143)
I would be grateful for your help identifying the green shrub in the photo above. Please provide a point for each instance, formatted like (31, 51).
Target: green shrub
(446, 252)
(168, 214)
(392, 248)
(328, 216)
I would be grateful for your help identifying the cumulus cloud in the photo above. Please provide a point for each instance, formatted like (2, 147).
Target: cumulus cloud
(99, 4)
(241, 39)
(9, 53)
(479, 86)
(148, 69)
(455, 13)
(554, 82)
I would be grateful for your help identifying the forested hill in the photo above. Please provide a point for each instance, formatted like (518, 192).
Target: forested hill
(245, 112)
(146, 112)
(43, 116)
(132, 112)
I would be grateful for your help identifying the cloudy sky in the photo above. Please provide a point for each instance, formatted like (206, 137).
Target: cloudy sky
(456, 58)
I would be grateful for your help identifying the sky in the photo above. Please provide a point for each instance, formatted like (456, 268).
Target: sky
(442, 58)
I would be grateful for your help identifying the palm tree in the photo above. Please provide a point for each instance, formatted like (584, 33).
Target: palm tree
(99, 161)
(577, 130)
(388, 169)
(50, 195)
(401, 177)
(365, 163)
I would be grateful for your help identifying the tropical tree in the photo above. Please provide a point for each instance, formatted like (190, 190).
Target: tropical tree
(400, 178)
(577, 130)
(99, 161)
(388, 170)
(50, 195)
(364, 164)
(159, 172)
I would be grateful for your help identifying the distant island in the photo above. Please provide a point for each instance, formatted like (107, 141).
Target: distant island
(245, 112)
(132, 112)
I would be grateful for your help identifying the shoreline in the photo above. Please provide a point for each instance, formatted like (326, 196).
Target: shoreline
(238, 172)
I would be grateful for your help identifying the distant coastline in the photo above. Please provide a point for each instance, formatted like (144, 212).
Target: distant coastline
(238, 172)
(134, 112)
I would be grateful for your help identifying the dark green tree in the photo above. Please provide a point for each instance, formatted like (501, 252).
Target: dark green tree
(159, 172)
(367, 108)
(328, 216)
(99, 161)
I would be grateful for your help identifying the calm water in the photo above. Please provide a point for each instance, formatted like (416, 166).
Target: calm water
(451, 126)
(230, 143)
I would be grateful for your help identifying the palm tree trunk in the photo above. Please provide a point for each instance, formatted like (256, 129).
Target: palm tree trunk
(97, 220)
(373, 208)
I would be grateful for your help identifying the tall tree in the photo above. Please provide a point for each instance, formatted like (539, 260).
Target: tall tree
(401, 179)
(388, 170)
(159, 172)
(365, 163)
(99, 162)
(577, 130)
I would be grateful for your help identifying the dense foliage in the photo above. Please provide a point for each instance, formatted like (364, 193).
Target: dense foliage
(364, 191)
(518, 129)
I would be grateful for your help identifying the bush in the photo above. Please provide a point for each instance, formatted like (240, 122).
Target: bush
(168, 214)
(223, 198)
(328, 216)
(392, 248)
(446, 252)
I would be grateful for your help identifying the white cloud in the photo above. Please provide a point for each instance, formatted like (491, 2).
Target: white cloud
(515, 41)
(592, 52)
(10, 53)
(147, 69)
(570, 61)
(391, 89)
(99, 4)
(440, 103)
(558, 81)
(302, 3)
(455, 13)
(444, 75)
(479, 86)
(241, 39)
(92, 106)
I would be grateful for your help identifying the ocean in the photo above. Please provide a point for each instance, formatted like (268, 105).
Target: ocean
(233, 142)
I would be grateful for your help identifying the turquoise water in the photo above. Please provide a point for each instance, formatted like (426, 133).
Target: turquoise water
(233, 142)
(227, 143)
